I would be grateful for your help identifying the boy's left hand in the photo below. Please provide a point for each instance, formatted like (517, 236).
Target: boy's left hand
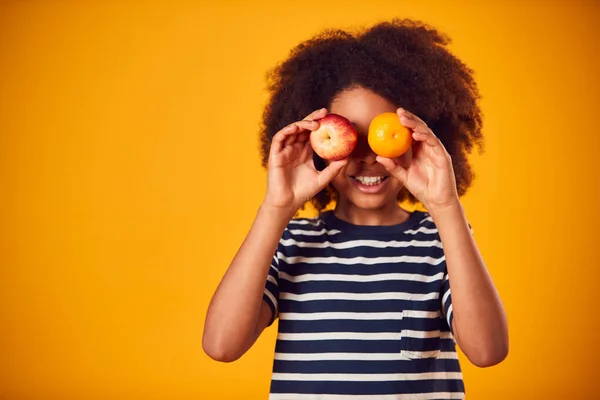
(428, 174)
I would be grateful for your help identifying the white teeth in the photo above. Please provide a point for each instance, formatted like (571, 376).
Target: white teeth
(370, 180)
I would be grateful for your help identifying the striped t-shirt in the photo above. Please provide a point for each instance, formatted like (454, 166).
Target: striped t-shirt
(364, 312)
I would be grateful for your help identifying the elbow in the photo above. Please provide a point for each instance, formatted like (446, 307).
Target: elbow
(219, 354)
(491, 356)
(218, 350)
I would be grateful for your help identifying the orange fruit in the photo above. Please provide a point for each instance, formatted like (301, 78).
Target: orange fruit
(388, 137)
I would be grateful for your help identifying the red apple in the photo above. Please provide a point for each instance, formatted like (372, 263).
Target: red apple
(335, 139)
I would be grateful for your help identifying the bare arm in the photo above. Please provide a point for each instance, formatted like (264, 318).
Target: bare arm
(237, 314)
(479, 321)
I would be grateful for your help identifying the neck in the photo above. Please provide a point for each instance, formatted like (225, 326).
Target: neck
(390, 214)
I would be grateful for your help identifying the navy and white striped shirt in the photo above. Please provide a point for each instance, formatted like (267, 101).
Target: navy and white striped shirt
(364, 312)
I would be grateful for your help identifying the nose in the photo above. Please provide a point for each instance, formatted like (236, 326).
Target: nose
(362, 152)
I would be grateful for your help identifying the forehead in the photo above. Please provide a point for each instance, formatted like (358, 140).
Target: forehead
(360, 106)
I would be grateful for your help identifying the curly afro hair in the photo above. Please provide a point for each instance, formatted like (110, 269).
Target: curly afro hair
(406, 62)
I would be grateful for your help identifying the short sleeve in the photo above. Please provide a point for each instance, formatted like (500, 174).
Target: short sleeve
(447, 301)
(271, 293)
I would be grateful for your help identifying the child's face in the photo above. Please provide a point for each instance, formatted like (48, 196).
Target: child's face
(360, 106)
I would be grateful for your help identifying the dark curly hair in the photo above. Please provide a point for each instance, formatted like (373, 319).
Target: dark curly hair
(404, 61)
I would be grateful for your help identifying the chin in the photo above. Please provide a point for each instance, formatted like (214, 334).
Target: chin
(371, 202)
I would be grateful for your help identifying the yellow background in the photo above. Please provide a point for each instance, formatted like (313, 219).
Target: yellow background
(129, 175)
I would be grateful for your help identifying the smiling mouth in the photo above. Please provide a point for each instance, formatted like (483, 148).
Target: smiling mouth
(369, 180)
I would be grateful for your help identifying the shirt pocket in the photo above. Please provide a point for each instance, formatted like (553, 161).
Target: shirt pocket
(420, 336)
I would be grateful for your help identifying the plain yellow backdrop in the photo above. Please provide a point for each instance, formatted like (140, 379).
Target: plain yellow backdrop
(130, 174)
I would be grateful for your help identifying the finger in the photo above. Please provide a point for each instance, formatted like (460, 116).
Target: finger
(306, 125)
(330, 172)
(279, 138)
(421, 132)
(290, 140)
(295, 152)
(307, 152)
(287, 153)
(427, 137)
(303, 126)
(412, 123)
(303, 137)
(308, 149)
(393, 168)
(320, 113)
(403, 112)
(432, 142)
(299, 147)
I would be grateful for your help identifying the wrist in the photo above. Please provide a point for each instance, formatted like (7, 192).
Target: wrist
(279, 213)
(450, 220)
(443, 211)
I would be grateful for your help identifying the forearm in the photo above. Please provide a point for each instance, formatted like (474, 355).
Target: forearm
(479, 321)
(233, 314)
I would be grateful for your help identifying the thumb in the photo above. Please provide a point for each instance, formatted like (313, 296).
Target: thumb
(330, 172)
(393, 168)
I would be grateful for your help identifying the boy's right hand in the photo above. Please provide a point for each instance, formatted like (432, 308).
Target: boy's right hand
(292, 177)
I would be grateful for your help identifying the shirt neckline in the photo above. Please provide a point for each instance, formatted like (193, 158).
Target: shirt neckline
(333, 222)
